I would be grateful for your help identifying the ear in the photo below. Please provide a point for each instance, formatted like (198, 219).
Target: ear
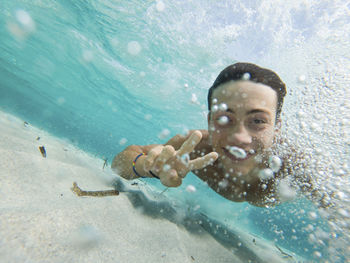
(208, 116)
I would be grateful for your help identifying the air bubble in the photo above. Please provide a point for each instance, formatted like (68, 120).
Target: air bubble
(340, 195)
(301, 79)
(160, 6)
(343, 212)
(88, 55)
(61, 100)
(163, 134)
(215, 108)
(196, 207)
(223, 184)
(223, 120)
(214, 101)
(194, 99)
(223, 107)
(134, 48)
(285, 191)
(246, 76)
(251, 151)
(25, 20)
(191, 189)
(265, 174)
(275, 163)
(123, 141)
(314, 126)
(301, 114)
(312, 215)
(318, 151)
(303, 125)
(23, 26)
(258, 158)
(237, 152)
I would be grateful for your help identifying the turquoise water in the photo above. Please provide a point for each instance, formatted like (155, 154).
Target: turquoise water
(106, 74)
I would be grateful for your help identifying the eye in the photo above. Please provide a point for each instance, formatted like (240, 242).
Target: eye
(258, 121)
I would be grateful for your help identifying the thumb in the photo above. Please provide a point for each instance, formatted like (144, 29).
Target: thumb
(170, 178)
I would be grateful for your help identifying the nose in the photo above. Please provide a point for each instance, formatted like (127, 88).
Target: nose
(240, 136)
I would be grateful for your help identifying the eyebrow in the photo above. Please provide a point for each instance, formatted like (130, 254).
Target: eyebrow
(249, 112)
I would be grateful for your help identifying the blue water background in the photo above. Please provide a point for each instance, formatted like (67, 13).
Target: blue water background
(74, 76)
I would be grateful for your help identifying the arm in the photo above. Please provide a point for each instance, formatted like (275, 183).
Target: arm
(296, 167)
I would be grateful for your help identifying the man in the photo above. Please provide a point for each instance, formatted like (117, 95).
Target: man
(236, 155)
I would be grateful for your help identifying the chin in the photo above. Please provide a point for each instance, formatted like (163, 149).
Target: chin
(243, 167)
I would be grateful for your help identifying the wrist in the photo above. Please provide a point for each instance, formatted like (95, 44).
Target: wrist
(138, 166)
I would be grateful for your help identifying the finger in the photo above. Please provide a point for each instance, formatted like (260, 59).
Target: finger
(189, 145)
(151, 156)
(204, 161)
(170, 178)
(167, 152)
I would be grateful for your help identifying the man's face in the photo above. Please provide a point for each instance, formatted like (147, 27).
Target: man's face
(242, 115)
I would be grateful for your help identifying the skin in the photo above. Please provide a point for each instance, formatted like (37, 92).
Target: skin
(248, 121)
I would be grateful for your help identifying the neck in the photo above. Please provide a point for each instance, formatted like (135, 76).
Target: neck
(244, 187)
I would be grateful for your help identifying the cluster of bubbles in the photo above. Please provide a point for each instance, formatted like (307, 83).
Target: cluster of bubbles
(319, 128)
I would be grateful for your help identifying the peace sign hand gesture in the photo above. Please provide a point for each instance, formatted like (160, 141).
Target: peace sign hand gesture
(171, 166)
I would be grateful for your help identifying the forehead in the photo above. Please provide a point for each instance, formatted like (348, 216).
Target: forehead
(246, 93)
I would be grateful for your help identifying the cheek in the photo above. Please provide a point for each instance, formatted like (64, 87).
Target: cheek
(215, 135)
(266, 138)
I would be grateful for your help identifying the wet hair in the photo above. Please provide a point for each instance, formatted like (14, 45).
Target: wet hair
(252, 72)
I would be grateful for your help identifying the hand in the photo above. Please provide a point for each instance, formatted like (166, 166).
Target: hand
(171, 166)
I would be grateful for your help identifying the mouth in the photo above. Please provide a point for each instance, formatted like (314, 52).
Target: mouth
(237, 154)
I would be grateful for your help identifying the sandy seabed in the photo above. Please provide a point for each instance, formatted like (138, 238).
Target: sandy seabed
(42, 220)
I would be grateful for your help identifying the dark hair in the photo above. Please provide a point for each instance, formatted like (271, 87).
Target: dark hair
(252, 72)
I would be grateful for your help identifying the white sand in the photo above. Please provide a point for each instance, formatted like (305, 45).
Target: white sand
(42, 220)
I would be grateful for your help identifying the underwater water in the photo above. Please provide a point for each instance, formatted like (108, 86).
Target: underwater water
(106, 74)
